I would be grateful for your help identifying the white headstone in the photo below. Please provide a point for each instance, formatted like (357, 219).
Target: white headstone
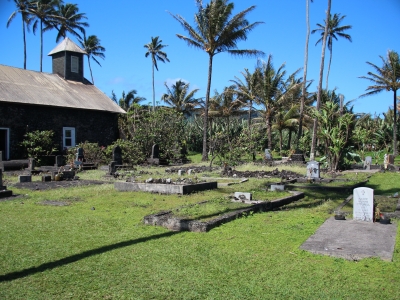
(367, 163)
(179, 172)
(363, 204)
(312, 169)
(243, 196)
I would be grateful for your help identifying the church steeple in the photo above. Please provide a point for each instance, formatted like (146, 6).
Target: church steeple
(68, 60)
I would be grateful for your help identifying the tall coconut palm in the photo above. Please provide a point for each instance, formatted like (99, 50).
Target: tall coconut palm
(22, 8)
(92, 46)
(335, 30)
(217, 31)
(321, 75)
(43, 12)
(67, 19)
(154, 48)
(302, 99)
(179, 97)
(386, 78)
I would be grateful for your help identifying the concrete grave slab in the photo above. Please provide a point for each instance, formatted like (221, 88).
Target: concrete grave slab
(353, 240)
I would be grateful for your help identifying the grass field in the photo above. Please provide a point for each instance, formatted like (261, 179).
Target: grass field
(98, 248)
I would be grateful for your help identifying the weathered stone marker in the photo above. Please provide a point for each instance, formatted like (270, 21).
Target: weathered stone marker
(79, 154)
(155, 151)
(243, 196)
(59, 161)
(312, 169)
(3, 189)
(117, 155)
(24, 178)
(31, 164)
(363, 204)
(268, 155)
(367, 163)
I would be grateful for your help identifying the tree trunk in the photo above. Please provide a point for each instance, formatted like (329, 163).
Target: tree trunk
(41, 44)
(289, 139)
(321, 74)
(395, 123)
(302, 100)
(280, 142)
(90, 68)
(23, 34)
(205, 155)
(269, 131)
(329, 67)
(154, 101)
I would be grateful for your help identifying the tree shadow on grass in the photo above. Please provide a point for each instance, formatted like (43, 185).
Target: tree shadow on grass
(76, 257)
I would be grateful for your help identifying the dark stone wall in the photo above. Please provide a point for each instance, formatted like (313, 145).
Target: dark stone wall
(59, 65)
(90, 125)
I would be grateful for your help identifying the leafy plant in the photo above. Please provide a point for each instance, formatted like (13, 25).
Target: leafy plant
(38, 143)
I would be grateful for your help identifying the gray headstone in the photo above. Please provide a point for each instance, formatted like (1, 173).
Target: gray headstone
(79, 154)
(31, 164)
(1, 178)
(367, 163)
(391, 159)
(363, 204)
(312, 169)
(179, 172)
(243, 196)
(155, 151)
(268, 155)
(112, 168)
(117, 155)
(59, 161)
(190, 171)
(277, 187)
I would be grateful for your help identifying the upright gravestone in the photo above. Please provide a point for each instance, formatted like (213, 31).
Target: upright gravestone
(312, 169)
(363, 204)
(79, 154)
(117, 155)
(367, 163)
(31, 164)
(59, 161)
(391, 159)
(3, 189)
(268, 155)
(1, 181)
(155, 151)
(1, 161)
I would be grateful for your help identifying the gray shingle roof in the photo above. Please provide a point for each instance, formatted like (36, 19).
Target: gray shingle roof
(31, 87)
(67, 45)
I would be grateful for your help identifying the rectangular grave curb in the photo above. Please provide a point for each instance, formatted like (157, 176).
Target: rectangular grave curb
(331, 188)
(167, 219)
(164, 188)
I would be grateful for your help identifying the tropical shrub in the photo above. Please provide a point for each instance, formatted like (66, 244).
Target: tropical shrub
(38, 143)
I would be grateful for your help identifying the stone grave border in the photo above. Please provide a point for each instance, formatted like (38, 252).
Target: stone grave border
(164, 188)
(326, 187)
(168, 220)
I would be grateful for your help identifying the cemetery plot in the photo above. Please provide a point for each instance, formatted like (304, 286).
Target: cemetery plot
(206, 215)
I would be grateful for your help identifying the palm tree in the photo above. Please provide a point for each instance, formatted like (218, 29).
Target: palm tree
(275, 92)
(179, 97)
(215, 32)
(154, 48)
(43, 11)
(22, 8)
(386, 78)
(93, 49)
(68, 19)
(302, 99)
(126, 101)
(334, 31)
(286, 119)
(321, 75)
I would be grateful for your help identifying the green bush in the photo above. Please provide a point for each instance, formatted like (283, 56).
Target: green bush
(38, 143)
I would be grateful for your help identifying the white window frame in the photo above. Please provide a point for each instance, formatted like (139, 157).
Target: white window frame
(74, 64)
(65, 129)
(8, 141)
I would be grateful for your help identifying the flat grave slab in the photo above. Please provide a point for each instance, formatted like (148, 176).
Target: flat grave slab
(164, 188)
(353, 240)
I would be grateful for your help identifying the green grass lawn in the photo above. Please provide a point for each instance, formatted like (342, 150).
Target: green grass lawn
(98, 248)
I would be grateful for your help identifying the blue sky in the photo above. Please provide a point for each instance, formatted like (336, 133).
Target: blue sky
(125, 26)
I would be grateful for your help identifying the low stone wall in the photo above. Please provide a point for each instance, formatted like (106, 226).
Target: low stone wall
(164, 188)
(169, 221)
